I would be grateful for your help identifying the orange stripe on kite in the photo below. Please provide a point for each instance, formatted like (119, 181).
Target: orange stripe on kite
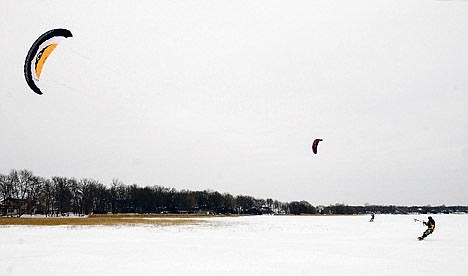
(45, 54)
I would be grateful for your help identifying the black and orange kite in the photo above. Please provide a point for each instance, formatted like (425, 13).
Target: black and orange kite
(38, 54)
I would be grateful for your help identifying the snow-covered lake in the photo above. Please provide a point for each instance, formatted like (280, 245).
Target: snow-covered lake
(256, 245)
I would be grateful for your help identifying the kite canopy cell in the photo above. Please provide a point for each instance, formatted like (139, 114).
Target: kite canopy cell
(38, 54)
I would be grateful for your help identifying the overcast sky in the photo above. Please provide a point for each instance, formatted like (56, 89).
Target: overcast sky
(229, 96)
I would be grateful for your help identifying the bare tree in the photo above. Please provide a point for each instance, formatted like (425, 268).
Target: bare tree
(5, 187)
(62, 194)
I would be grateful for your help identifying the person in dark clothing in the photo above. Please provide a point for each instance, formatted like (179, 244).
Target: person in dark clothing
(430, 228)
(372, 217)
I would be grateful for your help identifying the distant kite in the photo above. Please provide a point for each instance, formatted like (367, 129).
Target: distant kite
(38, 54)
(315, 145)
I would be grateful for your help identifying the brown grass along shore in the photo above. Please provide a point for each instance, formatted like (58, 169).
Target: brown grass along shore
(107, 220)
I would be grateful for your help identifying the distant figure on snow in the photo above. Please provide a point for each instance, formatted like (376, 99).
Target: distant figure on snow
(372, 217)
(430, 228)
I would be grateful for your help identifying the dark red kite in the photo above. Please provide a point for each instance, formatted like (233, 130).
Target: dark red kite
(315, 145)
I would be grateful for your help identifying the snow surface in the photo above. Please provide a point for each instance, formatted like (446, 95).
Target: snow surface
(255, 245)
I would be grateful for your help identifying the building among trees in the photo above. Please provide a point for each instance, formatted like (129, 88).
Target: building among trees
(17, 207)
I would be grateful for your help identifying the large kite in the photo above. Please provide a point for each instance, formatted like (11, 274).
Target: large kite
(38, 54)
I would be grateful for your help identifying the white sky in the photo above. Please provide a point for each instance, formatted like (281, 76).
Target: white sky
(229, 95)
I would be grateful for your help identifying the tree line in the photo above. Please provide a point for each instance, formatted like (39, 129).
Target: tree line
(63, 195)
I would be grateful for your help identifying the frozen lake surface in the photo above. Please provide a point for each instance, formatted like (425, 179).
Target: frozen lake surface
(256, 245)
